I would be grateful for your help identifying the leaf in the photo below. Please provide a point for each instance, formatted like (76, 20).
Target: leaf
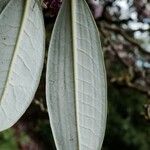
(22, 43)
(3, 4)
(76, 80)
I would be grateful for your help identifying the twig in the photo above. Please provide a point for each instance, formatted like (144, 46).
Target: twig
(126, 36)
(131, 85)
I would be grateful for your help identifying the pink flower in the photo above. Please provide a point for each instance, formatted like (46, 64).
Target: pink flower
(96, 7)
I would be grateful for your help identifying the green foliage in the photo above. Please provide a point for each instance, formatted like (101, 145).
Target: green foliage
(45, 133)
(8, 141)
(126, 127)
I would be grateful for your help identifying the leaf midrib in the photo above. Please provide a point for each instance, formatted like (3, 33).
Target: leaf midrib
(74, 42)
(20, 33)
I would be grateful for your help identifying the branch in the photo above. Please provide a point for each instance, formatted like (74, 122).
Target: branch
(126, 36)
(124, 81)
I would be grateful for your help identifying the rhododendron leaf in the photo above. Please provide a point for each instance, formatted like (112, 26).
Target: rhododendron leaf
(76, 80)
(22, 44)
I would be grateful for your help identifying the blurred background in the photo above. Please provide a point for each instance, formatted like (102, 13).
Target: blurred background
(124, 27)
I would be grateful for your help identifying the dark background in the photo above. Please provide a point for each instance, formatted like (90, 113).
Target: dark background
(124, 27)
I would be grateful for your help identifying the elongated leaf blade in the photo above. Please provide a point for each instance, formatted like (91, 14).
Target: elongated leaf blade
(76, 80)
(21, 57)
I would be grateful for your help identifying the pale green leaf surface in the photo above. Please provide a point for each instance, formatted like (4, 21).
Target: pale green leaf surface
(22, 43)
(76, 80)
(3, 4)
